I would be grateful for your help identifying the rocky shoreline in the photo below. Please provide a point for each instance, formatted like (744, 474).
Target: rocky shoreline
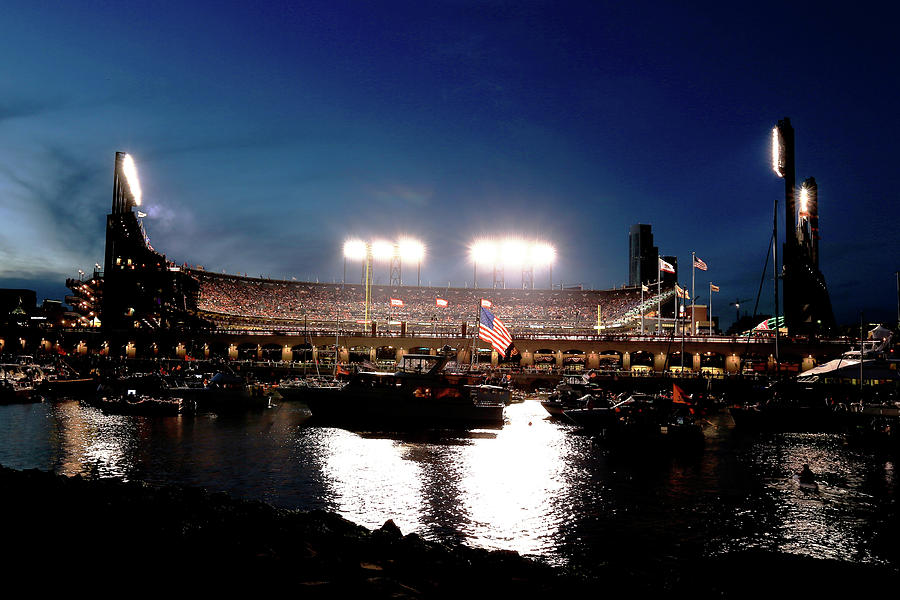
(115, 526)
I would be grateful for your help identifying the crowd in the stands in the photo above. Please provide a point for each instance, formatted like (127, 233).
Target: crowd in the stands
(242, 299)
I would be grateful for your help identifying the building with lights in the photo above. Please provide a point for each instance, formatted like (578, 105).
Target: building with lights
(807, 305)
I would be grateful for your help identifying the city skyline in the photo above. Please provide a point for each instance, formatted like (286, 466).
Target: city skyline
(268, 137)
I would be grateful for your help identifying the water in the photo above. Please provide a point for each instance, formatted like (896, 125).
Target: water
(536, 486)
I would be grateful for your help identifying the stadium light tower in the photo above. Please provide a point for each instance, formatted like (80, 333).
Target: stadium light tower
(514, 254)
(353, 250)
(482, 252)
(543, 254)
(385, 251)
(413, 251)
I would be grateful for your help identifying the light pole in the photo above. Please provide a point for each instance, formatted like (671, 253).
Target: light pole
(410, 250)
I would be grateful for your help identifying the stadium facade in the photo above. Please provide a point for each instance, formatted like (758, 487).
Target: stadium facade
(150, 306)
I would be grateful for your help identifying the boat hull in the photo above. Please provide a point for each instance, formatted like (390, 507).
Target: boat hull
(347, 407)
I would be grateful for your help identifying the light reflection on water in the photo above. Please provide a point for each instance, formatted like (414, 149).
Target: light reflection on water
(535, 485)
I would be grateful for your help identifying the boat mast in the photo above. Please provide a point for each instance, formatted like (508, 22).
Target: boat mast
(861, 345)
(775, 271)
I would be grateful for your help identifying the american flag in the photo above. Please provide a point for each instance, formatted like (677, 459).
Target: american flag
(699, 264)
(492, 330)
(440, 302)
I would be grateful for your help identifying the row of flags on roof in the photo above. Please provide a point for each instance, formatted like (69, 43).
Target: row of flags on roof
(490, 329)
(439, 302)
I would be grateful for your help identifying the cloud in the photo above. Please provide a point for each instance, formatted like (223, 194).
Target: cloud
(49, 212)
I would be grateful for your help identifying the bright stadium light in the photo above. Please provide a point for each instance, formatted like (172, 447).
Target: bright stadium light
(514, 253)
(411, 250)
(542, 254)
(354, 249)
(483, 252)
(382, 250)
(777, 153)
(131, 177)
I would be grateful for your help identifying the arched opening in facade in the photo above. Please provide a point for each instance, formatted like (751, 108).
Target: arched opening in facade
(642, 361)
(610, 360)
(509, 359)
(325, 354)
(218, 350)
(712, 363)
(247, 351)
(574, 360)
(302, 353)
(271, 352)
(545, 358)
(385, 356)
(483, 356)
(675, 365)
(754, 362)
(358, 354)
(195, 349)
(790, 363)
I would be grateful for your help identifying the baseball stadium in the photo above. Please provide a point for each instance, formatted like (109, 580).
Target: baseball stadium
(141, 304)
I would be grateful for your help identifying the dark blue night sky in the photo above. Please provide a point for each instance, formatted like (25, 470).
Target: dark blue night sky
(266, 134)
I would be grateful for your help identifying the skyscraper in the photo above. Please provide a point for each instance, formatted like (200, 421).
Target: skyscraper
(642, 256)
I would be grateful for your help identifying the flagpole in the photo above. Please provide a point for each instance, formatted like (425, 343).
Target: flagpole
(658, 295)
(681, 372)
(709, 310)
(642, 307)
(693, 295)
(474, 358)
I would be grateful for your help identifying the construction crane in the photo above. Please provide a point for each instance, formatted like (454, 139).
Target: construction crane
(737, 307)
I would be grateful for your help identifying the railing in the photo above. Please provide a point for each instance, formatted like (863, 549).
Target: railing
(573, 335)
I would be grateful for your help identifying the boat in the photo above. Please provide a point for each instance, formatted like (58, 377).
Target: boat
(593, 414)
(16, 385)
(805, 479)
(225, 392)
(301, 389)
(62, 381)
(807, 485)
(828, 398)
(642, 419)
(422, 392)
(132, 403)
(144, 394)
(572, 393)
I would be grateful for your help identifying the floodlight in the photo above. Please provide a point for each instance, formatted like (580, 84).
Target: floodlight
(411, 250)
(382, 250)
(355, 249)
(514, 253)
(484, 252)
(804, 199)
(131, 177)
(777, 153)
(542, 254)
